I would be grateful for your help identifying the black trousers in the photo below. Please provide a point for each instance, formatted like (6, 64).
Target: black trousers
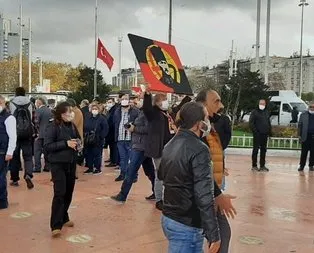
(307, 146)
(15, 163)
(259, 143)
(63, 177)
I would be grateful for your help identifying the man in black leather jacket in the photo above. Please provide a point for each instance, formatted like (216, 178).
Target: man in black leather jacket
(189, 205)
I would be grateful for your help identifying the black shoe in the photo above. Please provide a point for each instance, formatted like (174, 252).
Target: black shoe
(4, 205)
(46, 170)
(119, 178)
(111, 165)
(97, 172)
(29, 182)
(255, 168)
(108, 161)
(159, 205)
(311, 168)
(117, 168)
(300, 169)
(15, 184)
(151, 197)
(89, 171)
(36, 171)
(118, 198)
(264, 169)
(135, 180)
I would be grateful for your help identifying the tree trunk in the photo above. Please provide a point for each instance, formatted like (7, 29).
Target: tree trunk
(235, 109)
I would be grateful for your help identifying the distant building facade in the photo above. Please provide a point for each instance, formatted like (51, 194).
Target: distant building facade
(128, 78)
(10, 40)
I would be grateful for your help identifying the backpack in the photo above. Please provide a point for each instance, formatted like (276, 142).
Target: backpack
(24, 125)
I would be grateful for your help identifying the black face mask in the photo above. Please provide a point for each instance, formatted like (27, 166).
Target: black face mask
(215, 118)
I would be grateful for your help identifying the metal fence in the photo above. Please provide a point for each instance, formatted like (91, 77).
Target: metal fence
(273, 142)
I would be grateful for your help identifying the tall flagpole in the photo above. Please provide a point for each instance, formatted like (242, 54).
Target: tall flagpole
(21, 48)
(170, 23)
(96, 44)
(135, 68)
(30, 57)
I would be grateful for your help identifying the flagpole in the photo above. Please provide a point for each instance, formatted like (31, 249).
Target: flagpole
(30, 58)
(96, 44)
(21, 48)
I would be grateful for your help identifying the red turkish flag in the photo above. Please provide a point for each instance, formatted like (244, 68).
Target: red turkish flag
(104, 55)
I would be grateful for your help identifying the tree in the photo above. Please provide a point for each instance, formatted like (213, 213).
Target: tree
(86, 88)
(244, 91)
(199, 83)
(308, 96)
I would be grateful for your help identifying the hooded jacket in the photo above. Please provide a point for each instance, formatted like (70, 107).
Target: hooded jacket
(21, 100)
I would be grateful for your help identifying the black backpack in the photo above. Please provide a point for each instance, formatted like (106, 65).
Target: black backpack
(24, 125)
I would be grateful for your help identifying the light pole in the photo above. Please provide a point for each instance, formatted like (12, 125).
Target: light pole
(120, 61)
(301, 4)
(170, 22)
(40, 71)
(21, 48)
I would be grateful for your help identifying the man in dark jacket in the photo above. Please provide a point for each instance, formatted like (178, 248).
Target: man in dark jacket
(224, 129)
(294, 115)
(306, 135)
(111, 107)
(261, 128)
(139, 132)
(124, 115)
(43, 115)
(159, 134)
(7, 147)
(85, 108)
(189, 206)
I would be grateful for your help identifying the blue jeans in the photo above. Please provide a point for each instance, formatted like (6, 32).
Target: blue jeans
(3, 183)
(137, 159)
(124, 148)
(182, 238)
(93, 157)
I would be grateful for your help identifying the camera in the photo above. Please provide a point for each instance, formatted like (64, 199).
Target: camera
(127, 125)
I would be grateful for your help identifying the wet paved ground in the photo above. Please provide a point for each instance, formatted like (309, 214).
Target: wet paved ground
(275, 214)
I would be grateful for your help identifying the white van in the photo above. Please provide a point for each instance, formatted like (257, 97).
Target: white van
(282, 104)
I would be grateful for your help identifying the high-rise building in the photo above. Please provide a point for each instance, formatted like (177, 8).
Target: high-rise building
(128, 78)
(10, 40)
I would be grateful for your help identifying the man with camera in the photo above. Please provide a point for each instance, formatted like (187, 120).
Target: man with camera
(124, 116)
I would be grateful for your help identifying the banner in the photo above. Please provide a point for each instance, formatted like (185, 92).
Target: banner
(160, 65)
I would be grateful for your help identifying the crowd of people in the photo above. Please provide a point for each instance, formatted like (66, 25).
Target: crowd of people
(144, 131)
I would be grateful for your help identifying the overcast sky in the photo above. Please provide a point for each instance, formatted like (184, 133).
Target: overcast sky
(63, 30)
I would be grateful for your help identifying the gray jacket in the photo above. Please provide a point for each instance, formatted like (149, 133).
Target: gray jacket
(303, 126)
(42, 118)
(21, 100)
(139, 136)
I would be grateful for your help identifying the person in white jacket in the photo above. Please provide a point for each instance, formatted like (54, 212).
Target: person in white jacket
(7, 147)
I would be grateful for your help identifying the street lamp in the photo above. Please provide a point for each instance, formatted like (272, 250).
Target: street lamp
(302, 4)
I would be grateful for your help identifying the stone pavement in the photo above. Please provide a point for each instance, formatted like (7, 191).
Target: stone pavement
(275, 214)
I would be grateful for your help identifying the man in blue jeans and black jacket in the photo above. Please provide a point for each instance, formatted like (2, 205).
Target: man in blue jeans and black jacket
(139, 132)
(7, 147)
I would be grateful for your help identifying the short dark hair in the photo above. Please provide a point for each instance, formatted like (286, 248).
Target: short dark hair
(20, 91)
(190, 114)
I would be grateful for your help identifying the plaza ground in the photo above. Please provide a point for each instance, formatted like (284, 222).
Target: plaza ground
(275, 213)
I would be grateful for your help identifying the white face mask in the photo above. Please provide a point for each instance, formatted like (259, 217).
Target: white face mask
(125, 103)
(140, 103)
(95, 112)
(207, 128)
(311, 112)
(164, 105)
(68, 117)
(109, 106)
(1, 109)
(262, 107)
(72, 116)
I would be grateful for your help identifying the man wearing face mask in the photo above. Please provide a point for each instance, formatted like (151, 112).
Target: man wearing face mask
(261, 129)
(189, 212)
(160, 132)
(43, 115)
(123, 117)
(212, 101)
(306, 135)
(111, 107)
(7, 147)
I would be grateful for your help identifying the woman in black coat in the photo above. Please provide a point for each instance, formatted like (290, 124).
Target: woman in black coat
(62, 143)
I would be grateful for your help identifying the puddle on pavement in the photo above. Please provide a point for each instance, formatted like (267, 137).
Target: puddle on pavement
(251, 240)
(282, 214)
